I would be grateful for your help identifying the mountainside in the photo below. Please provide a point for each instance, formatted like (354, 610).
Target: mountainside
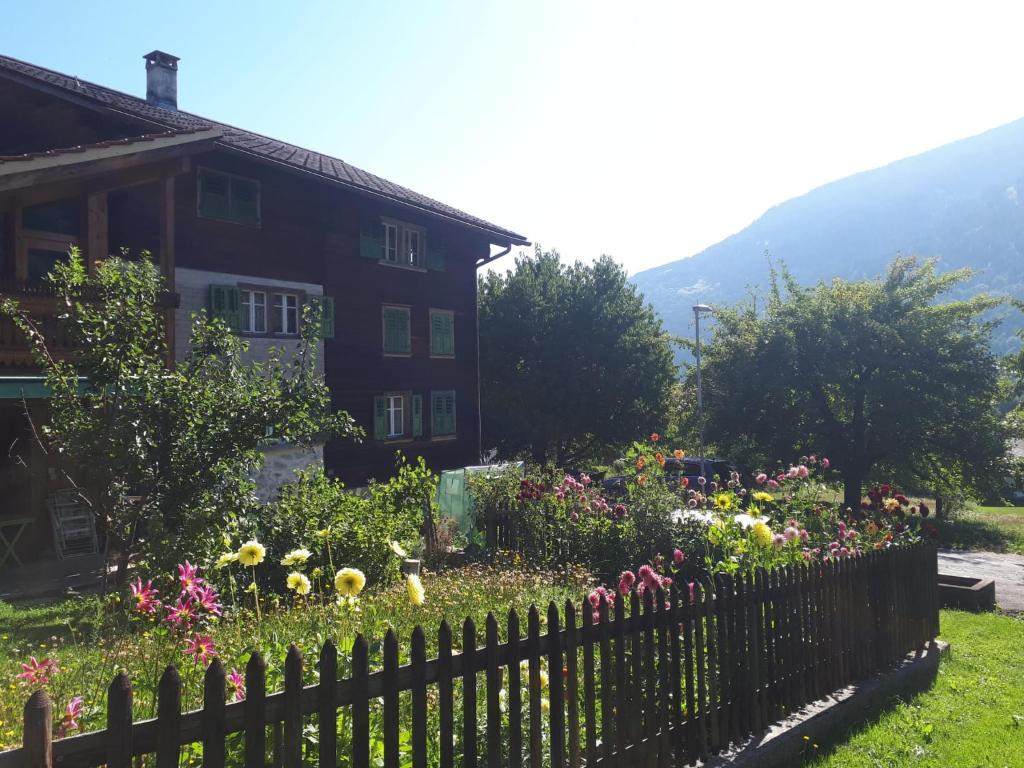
(961, 203)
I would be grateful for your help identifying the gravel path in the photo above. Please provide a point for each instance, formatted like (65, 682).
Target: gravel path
(1007, 570)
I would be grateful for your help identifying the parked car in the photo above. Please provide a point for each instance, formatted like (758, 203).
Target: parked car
(692, 468)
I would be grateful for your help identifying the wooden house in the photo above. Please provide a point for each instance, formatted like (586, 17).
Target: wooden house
(249, 228)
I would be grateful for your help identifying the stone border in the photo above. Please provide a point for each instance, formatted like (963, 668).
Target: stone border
(827, 719)
(967, 593)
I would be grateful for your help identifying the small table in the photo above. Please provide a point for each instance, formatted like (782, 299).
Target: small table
(8, 542)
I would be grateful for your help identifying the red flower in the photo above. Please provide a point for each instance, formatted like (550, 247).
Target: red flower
(655, 437)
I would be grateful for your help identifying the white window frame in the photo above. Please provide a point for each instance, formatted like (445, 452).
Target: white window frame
(284, 308)
(400, 234)
(392, 242)
(395, 412)
(249, 313)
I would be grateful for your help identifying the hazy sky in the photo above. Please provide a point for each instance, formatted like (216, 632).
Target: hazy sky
(640, 129)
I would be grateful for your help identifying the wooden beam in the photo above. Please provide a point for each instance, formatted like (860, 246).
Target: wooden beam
(167, 255)
(97, 246)
(48, 186)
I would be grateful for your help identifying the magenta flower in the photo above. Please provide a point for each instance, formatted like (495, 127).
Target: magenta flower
(779, 540)
(761, 478)
(802, 471)
(206, 597)
(825, 463)
(790, 533)
(201, 648)
(70, 720)
(619, 511)
(145, 596)
(237, 684)
(585, 479)
(187, 575)
(182, 614)
(38, 672)
(693, 596)
(773, 483)
(804, 535)
(678, 557)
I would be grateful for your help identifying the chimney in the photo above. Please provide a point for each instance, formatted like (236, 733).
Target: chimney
(162, 79)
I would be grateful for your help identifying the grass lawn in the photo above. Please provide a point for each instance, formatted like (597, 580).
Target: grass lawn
(996, 529)
(972, 716)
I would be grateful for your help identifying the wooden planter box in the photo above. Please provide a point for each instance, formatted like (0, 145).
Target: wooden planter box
(967, 593)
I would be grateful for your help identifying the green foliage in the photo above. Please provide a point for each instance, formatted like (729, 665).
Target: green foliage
(880, 375)
(342, 528)
(169, 450)
(573, 362)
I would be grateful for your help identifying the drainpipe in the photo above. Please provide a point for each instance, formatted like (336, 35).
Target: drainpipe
(479, 401)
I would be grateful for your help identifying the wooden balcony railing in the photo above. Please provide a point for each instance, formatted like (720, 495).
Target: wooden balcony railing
(43, 306)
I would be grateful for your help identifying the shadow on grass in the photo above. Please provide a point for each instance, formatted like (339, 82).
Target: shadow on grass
(41, 623)
(965, 533)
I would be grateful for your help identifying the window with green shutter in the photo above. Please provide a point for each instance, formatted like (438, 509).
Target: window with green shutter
(323, 308)
(442, 413)
(396, 331)
(380, 417)
(226, 197)
(371, 238)
(417, 415)
(442, 333)
(225, 304)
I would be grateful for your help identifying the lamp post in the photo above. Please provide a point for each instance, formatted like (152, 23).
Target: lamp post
(698, 310)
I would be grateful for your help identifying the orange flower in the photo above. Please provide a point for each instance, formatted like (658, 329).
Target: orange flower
(655, 437)
(660, 458)
(888, 537)
(679, 453)
(641, 462)
(641, 479)
(683, 482)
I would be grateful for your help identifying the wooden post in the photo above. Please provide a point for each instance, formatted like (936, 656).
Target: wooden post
(213, 727)
(97, 245)
(515, 694)
(360, 704)
(446, 715)
(418, 659)
(255, 713)
(37, 749)
(119, 722)
(391, 729)
(167, 255)
(328, 705)
(469, 740)
(168, 714)
(293, 708)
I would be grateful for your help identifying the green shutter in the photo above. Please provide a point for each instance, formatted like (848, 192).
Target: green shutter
(437, 254)
(226, 305)
(442, 413)
(214, 195)
(245, 201)
(323, 308)
(449, 408)
(380, 418)
(417, 415)
(371, 238)
(396, 331)
(442, 333)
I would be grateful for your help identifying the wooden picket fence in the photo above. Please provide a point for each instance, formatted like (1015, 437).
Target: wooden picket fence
(664, 680)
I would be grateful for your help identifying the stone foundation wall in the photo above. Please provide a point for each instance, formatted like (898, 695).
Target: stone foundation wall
(279, 465)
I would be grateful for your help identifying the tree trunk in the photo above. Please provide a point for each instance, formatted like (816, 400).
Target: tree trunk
(852, 482)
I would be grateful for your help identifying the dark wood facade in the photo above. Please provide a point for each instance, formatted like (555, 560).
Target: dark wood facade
(308, 231)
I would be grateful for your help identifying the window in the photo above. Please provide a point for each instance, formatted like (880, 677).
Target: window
(226, 197)
(442, 333)
(413, 252)
(391, 243)
(285, 318)
(254, 311)
(396, 331)
(396, 415)
(48, 232)
(442, 413)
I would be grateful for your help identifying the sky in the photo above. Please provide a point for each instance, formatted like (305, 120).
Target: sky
(645, 130)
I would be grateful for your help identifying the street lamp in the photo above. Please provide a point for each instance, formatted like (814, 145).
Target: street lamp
(698, 310)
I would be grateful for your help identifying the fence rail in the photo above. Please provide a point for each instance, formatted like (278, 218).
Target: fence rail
(668, 679)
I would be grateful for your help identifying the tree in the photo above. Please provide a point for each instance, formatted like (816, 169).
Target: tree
(880, 375)
(165, 454)
(573, 362)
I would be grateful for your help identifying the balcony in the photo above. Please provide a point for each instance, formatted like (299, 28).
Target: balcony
(44, 307)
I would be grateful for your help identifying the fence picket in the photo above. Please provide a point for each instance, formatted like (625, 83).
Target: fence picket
(515, 694)
(445, 698)
(631, 697)
(361, 702)
(572, 695)
(649, 683)
(589, 640)
(689, 611)
(214, 728)
(418, 663)
(703, 596)
(623, 691)
(663, 708)
(36, 737)
(556, 689)
(328, 706)
(293, 708)
(255, 711)
(168, 716)
(469, 746)
(493, 693)
(119, 722)
(607, 694)
(533, 684)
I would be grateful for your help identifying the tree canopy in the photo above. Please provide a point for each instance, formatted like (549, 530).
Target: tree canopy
(157, 450)
(881, 375)
(573, 362)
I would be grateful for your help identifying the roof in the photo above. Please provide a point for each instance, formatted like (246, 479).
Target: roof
(115, 147)
(237, 140)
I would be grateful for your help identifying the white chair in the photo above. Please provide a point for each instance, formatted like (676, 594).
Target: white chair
(74, 525)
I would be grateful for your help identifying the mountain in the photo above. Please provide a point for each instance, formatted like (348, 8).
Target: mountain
(962, 203)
